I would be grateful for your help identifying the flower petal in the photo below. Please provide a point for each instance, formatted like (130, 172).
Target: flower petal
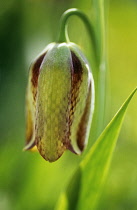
(85, 122)
(54, 87)
(80, 102)
(31, 101)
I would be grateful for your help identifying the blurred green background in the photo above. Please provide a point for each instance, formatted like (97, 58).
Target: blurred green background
(27, 181)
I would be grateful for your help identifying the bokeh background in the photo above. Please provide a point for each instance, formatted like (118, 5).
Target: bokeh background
(27, 181)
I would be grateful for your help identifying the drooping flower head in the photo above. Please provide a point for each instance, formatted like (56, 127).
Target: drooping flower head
(60, 101)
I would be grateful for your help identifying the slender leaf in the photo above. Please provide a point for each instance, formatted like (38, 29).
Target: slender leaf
(85, 187)
(62, 203)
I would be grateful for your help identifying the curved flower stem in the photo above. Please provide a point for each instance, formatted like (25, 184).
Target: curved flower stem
(63, 35)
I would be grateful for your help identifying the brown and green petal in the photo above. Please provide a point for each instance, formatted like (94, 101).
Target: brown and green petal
(31, 99)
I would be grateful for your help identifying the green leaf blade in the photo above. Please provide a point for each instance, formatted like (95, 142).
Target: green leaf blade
(62, 203)
(94, 167)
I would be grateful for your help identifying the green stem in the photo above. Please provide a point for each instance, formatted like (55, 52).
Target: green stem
(101, 76)
(63, 35)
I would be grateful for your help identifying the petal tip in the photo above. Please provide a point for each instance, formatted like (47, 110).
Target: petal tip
(30, 146)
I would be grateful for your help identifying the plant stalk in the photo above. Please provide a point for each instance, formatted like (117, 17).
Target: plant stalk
(101, 68)
(63, 34)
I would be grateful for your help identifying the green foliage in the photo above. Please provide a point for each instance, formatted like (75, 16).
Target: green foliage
(92, 172)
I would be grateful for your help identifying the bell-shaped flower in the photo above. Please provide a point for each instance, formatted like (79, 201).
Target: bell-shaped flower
(60, 101)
